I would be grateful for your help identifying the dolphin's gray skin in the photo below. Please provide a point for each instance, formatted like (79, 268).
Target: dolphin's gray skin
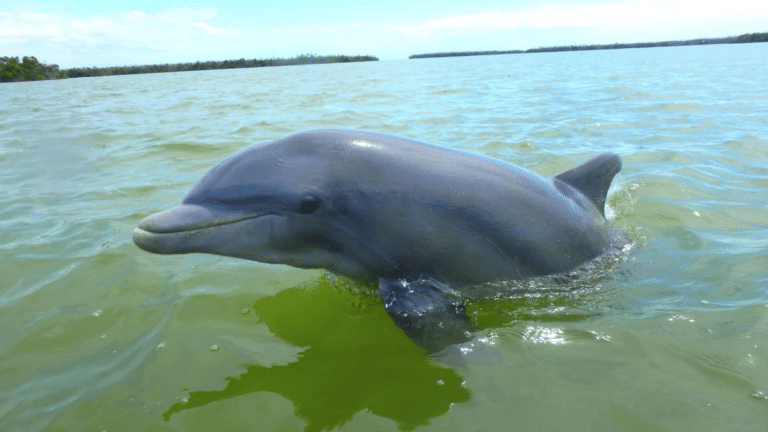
(428, 222)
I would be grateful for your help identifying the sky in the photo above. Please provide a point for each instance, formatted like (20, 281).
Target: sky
(117, 33)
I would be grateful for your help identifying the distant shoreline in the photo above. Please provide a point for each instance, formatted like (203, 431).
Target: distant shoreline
(304, 59)
(745, 38)
(12, 69)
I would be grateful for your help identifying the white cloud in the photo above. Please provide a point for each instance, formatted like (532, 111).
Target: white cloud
(136, 33)
(14, 27)
(617, 16)
(208, 28)
(185, 34)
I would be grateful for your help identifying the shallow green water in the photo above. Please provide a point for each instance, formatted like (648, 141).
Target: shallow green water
(98, 335)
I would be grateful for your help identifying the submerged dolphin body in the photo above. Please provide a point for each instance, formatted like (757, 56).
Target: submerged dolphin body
(428, 222)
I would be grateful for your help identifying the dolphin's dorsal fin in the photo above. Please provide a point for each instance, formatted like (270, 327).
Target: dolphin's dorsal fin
(593, 177)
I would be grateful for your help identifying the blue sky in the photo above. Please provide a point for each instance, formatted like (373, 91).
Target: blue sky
(111, 33)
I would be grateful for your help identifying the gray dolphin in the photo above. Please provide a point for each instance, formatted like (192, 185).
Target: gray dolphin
(427, 221)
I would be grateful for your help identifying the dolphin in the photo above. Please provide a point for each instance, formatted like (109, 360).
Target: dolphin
(426, 221)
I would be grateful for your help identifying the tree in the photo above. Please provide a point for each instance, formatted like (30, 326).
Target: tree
(10, 69)
(28, 69)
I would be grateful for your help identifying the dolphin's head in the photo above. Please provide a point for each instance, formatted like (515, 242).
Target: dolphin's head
(271, 203)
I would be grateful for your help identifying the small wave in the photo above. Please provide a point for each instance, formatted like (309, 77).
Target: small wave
(35, 403)
(184, 147)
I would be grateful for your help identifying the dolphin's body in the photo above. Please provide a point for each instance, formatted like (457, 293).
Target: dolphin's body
(428, 222)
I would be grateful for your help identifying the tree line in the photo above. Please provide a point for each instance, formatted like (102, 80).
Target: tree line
(746, 38)
(752, 37)
(29, 69)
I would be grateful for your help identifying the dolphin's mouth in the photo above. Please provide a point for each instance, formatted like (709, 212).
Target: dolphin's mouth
(173, 231)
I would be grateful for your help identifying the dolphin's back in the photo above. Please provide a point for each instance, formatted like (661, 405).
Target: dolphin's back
(466, 218)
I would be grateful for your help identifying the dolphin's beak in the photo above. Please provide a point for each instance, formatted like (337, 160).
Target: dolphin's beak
(168, 232)
(188, 217)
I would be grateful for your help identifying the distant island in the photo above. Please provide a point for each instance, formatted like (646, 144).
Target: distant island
(30, 69)
(745, 38)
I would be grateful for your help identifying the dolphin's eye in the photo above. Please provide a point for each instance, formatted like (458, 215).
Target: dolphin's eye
(309, 205)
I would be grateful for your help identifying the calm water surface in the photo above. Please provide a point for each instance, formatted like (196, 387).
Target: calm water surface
(97, 335)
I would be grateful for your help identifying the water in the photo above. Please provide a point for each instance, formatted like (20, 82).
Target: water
(98, 335)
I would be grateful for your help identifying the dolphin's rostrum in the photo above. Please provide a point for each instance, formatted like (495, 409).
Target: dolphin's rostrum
(427, 221)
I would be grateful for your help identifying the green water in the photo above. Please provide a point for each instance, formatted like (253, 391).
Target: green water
(97, 335)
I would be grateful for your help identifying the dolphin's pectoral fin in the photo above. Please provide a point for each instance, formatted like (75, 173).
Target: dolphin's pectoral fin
(424, 312)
